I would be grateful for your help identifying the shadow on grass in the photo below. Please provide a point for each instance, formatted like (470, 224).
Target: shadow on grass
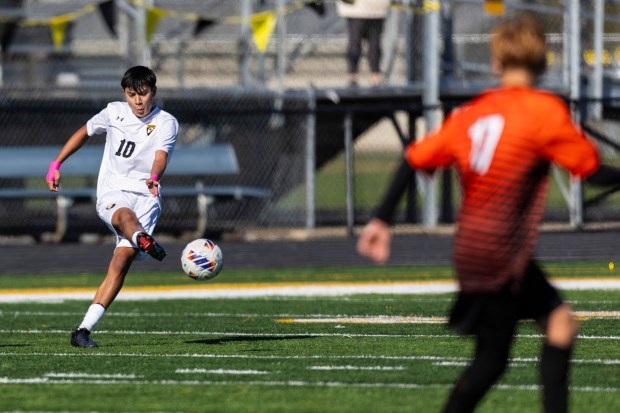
(249, 339)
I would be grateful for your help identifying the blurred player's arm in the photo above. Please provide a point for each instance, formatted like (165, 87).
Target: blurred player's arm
(376, 237)
(401, 179)
(565, 144)
(430, 153)
(75, 142)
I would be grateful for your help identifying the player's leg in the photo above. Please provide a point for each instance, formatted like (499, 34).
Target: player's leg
(133, 218)
(494, 322)
(561, 329)
(128, 224)
(106, 293)
(556, 320)
(115, 209)
(113, 282)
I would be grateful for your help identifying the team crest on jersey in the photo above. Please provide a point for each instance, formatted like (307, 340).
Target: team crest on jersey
(110, 206)
(149, 129)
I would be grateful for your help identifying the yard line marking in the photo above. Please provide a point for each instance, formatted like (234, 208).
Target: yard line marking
(192, 314)
(466, 363)
(293, 383)
(379, 319)
(237, 334)
(363, 368)
(92, 376)
(292, 335)
(222, 371)
(308, 357)
(244, 290)
(388, 319)
(589, 315)
(288, 318)
(451, 363)
(306, 289)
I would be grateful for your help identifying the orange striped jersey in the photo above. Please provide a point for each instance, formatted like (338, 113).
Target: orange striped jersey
(502, 144)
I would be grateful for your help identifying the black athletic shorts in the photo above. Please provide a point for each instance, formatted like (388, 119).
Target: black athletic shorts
(534, 299)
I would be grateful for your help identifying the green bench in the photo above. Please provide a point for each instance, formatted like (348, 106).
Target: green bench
(25, 163)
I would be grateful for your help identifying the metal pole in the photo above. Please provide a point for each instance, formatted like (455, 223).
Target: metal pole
(124, 30)
(574, 60)
(310, 159)
(133, 21)
(390, 44)
(1, 72)
(348, 155)
(412, 188)
(144, 48)
(430, 100)
(277, 120)
(596, 92)
(410, 39)
(281, 44)
(244, 43)
(576, 204)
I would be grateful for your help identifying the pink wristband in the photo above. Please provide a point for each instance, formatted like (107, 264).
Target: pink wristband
(54, 166)
(155, 178)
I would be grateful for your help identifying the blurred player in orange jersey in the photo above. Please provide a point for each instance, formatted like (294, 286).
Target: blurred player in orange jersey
(502, 144)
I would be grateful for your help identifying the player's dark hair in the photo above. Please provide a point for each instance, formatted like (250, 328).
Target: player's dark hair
(137, 77)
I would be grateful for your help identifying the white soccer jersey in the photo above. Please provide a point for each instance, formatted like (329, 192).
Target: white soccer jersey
(130, 145)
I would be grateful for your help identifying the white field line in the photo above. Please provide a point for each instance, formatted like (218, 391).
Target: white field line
(299, 318)
(606, 362)
(466, 363)
(91, 376)
(290, 383)
(221, 371)
(238, 291)
(16, 314)
(378, 319)
(388, 319)
(244, 334)
(282, 290)
(361, 368)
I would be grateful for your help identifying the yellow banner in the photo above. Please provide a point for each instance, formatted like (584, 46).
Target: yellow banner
(58, 27)
(262, 25)
(494, 7)
(153, 15)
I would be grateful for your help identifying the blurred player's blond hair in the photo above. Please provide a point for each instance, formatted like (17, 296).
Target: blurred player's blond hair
(520, 43)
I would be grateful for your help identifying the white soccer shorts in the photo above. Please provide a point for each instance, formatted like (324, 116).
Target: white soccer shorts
(146, 207)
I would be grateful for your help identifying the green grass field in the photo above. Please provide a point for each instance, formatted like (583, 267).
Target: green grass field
(305, 353)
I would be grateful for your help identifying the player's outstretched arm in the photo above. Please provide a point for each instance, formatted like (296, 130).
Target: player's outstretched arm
(74, 143)
(157, 170)
(376, 238)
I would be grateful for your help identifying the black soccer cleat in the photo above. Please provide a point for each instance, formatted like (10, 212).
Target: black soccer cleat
(150, 246)
(81, 338)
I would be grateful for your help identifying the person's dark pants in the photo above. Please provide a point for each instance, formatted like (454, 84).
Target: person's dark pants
(493, 318)
(360, 29)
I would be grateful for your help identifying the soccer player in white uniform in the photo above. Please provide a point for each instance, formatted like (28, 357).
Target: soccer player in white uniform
(140, 138)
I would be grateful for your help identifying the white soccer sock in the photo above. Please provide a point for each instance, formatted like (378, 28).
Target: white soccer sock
(93, 315)
(134, 237)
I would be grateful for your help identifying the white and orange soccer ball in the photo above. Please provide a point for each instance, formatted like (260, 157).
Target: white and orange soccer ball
(202, 259)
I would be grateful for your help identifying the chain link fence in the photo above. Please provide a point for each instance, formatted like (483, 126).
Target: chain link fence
(325, 149)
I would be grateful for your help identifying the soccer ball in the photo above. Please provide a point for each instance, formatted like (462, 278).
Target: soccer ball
(202, 259)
